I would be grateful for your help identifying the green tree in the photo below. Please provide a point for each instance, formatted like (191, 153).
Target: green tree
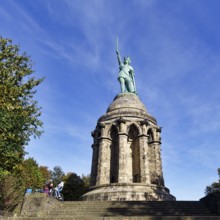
(19, 113)
(214, 187)
(32, 175)
(57, 175)
(45, 173)
(86, 180)
(74, 187)
(19, 120)
(11, 191)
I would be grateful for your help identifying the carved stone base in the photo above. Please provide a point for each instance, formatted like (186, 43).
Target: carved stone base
(129, 192)
(36, 204)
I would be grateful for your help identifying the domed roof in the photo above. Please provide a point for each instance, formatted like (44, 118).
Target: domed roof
(127, 105)
(126, 101)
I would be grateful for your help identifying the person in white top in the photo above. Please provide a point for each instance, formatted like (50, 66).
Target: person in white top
(58, 189)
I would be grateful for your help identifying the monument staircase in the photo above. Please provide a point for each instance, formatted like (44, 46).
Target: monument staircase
(92, 210)
(125, 210)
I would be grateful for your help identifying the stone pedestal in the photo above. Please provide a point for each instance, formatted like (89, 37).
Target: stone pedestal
(128, 192)
(126, 163)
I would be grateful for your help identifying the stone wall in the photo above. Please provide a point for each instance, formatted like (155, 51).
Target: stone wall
(212, 201)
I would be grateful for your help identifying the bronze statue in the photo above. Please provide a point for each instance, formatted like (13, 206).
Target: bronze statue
(126, 74)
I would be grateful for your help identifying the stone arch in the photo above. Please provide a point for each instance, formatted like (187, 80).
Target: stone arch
(153, 133)
(136, 125)
(113, 131)
(151, 136)
(154, 158)
(114, 154)
(133, 141)
(98, 134)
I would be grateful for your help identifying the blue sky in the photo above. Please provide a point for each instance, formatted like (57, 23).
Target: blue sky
(175, 51)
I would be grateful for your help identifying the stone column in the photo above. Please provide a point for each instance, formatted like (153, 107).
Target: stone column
(158, 163)
(158, 155)
(144, 163)
(95, 156)
(103, 175)
(122, 160)
(123, 176)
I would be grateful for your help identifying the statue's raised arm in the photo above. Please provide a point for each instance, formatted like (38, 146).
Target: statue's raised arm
(126, 74)
(118, 54)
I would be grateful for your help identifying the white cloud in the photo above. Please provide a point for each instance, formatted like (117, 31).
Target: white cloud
(27, 22)
(206, 154)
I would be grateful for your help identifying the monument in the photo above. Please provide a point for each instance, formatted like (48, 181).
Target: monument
(126, 161)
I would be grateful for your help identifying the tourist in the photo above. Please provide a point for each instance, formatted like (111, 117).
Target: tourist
(50, 187)
(58, 189)
(46, 190)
